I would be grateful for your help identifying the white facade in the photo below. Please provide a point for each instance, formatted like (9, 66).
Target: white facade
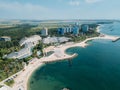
(5, 38)
(44, 32)
(5, 88)
(26, 51)
(33, 39)
(55, 40)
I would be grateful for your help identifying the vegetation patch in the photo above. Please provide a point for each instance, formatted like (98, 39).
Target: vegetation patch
(1, 86)
(9, 82)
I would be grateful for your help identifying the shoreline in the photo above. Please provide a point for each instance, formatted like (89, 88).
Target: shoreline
(28, 78)
(21, 81)
(64, 47)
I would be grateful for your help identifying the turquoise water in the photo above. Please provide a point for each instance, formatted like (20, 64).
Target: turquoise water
(97, 67)
(111, 29)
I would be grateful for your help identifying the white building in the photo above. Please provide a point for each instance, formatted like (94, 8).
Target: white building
(4, 88)
(27, 50)
(44, 32)
(49, 40)
(5, 38)
(23, 53)
(63, 39)
(33, 39)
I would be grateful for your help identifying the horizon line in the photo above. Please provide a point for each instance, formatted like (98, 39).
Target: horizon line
(60, 19)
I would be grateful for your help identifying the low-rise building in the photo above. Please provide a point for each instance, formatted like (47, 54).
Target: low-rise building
(49, 40)
(27, 50)
(23, 53)
(5, 88)
(63, 39)
(33, 39)
(39, 53)
(5, 38)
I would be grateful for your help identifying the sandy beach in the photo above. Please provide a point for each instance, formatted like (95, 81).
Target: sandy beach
(59, 54)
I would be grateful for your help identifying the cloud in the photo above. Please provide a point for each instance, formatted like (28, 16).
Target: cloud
(92, 1)
(78, 2)
(27, 10)
(74, 3)
(15, 6)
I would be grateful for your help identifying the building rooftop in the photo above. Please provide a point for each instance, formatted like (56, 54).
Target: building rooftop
(55, 40)
(5, 37)
(26, 51)
(33, 39)
(5, 88)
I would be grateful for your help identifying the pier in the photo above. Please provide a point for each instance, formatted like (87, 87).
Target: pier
(66, 57)
(116, 39)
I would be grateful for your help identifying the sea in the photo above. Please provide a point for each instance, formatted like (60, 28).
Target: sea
(97, 67)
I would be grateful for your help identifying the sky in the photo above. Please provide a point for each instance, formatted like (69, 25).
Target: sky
(59, 9)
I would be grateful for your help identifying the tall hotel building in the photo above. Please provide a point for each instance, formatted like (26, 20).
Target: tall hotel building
(44, 32)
